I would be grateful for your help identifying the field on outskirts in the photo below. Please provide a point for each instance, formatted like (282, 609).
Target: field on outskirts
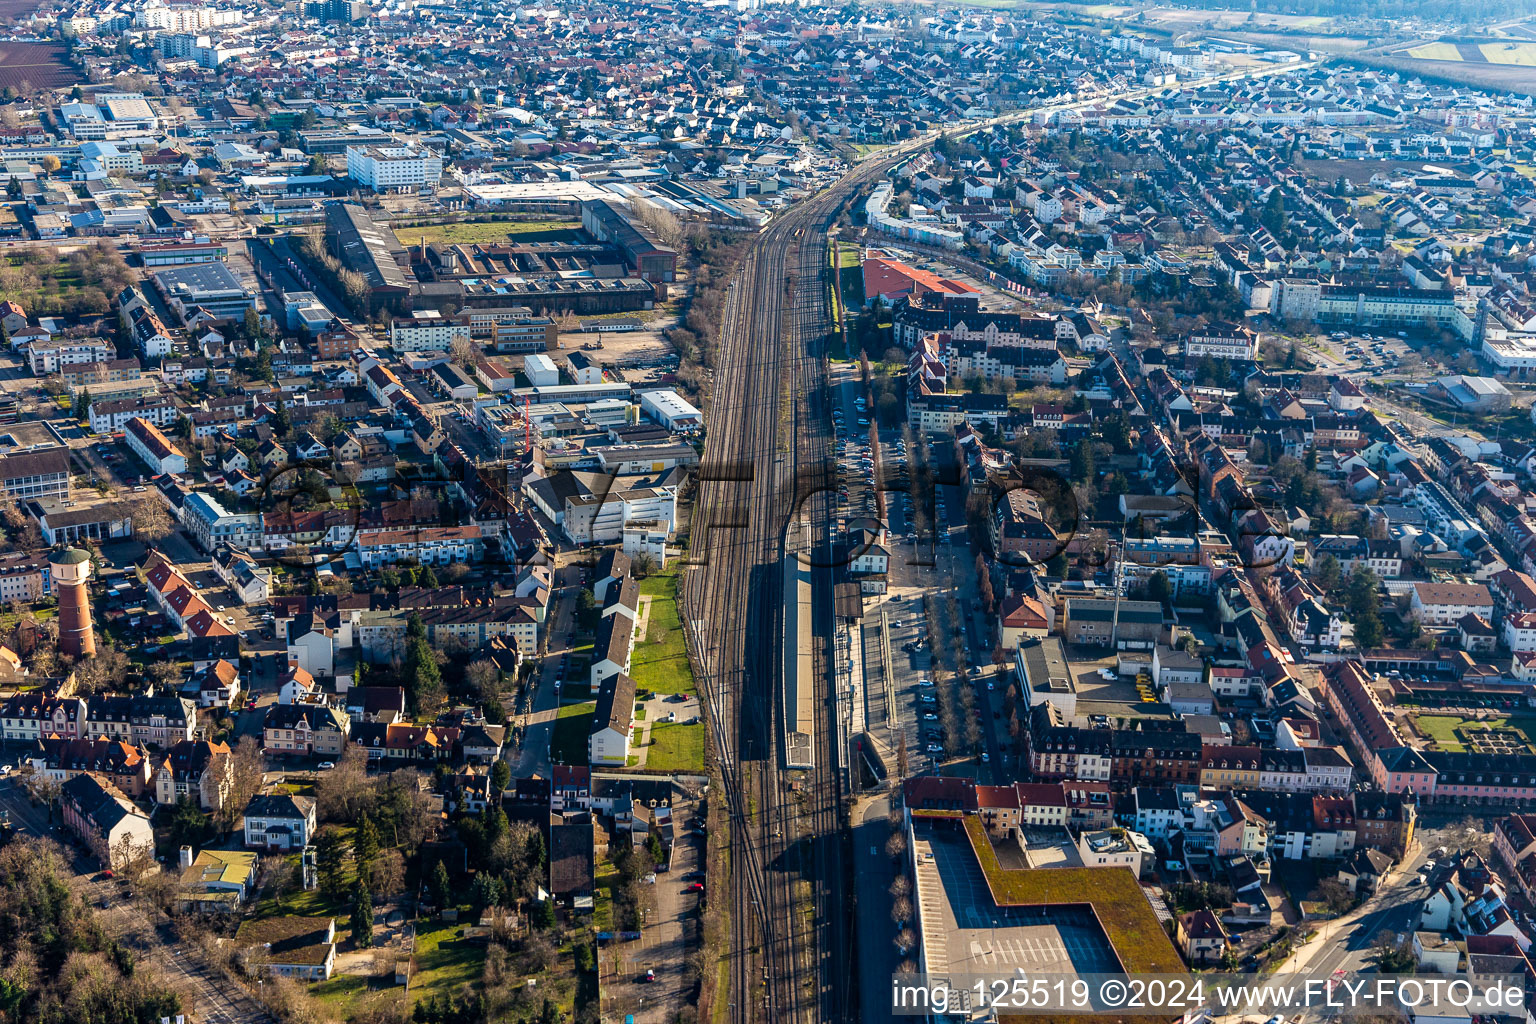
(1510, 53)
(1435, 51)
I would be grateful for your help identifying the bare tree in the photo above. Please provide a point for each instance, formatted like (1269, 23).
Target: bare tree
(163, 674)
(151, 519)
(464, 352)
(273, 875)
(248, 773)
(387, 873)
(666, 227)
(22, 527)
(343, 793)
(104, 672)
(483, 677)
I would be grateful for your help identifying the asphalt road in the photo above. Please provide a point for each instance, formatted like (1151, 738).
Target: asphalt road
(1347, 944)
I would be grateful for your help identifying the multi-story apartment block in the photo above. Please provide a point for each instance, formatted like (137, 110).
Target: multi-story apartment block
(393, 168)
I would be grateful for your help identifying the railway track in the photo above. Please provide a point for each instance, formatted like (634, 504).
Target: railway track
(770, 446)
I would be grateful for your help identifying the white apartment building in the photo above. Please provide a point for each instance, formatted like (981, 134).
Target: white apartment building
(149, 443)
(1520, 632)
(424, 331)
(393, 168)
(108, 415)
(1445, 604)
(601, 518)
(48, 356)
(212, 524)
(157, 15)
(1222, 341)
(440, 545)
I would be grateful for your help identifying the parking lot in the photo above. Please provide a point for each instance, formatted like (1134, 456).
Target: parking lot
(979, 937)
(1366, 354)
(653, 980)
(928, 556)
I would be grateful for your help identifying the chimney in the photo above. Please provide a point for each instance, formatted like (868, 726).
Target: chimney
(185, 857)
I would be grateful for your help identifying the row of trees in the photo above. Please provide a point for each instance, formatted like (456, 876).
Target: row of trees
(352, 285)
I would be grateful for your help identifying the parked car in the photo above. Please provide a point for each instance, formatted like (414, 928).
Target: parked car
(694, 887)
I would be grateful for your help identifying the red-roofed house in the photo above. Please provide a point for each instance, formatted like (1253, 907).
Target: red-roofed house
(886, 280)
(1023, 617)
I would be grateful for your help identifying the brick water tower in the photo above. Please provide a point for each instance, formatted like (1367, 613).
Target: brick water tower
(71, 574)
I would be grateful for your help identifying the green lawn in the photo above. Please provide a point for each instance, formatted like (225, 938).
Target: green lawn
(1448, 731)
(568, 741)
(660, 661)
(605, 877)
(470, 232)
(444, 962)
(676, 747)
(850, 277)
(340, 990)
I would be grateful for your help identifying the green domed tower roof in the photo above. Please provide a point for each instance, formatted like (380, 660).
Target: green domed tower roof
(69, 556)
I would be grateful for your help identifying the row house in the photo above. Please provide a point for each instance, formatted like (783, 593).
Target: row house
(443, 545)
(1060, 752)
(1077, 806)
(402, 741)
(381, 634)
(161, 721)
(1305, 827)
(1385, 821)
(1249, 767)
(1514, 849)
(145, 720)
(32, 716)
(122, 764)
(1469, 779)
(1155, 757)
(1352, 698)
(117, 833)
